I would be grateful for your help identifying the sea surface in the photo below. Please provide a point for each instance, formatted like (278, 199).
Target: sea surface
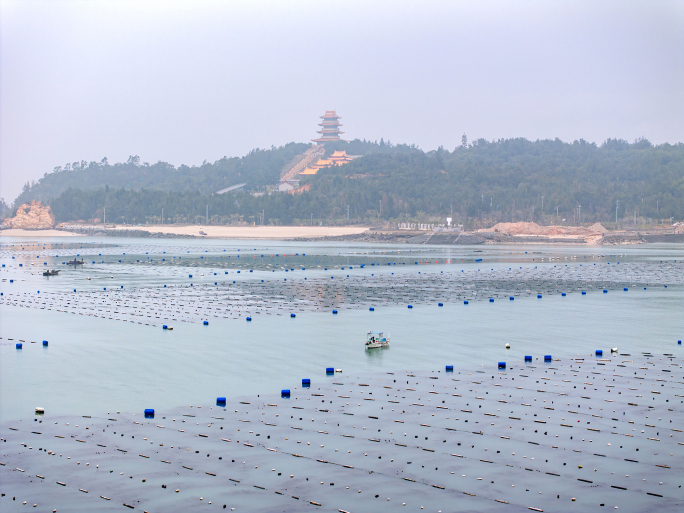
(118, 358)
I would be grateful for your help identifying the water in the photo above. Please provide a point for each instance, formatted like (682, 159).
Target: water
(95, 364)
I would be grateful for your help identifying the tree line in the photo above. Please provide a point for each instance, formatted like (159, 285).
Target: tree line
(505, 180)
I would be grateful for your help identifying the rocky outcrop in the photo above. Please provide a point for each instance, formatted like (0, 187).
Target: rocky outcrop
(32, 215)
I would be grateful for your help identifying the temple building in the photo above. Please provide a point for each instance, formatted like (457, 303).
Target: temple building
(330, 128)
(338, 158)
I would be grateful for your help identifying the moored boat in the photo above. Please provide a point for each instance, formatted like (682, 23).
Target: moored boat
(376, 339)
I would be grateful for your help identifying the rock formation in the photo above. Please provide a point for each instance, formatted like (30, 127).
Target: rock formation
(31, 216)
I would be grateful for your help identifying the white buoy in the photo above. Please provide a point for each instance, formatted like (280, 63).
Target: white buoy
(508, 346)
(338, 370)
(169, 328)
(40, 410)
(613, 350)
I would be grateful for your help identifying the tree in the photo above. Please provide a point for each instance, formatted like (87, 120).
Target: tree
(464, 141)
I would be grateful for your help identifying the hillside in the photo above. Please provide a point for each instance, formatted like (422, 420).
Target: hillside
(259, 168)
(505, 180)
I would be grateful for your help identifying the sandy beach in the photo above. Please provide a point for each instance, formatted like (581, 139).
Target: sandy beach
(18, 232)
(218, 232)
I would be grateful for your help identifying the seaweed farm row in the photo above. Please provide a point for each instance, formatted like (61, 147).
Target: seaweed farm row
(578, 433)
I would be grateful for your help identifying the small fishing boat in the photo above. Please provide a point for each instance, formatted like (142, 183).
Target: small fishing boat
(202, 233)
(376, 339)
(75, 262)
(50, 273)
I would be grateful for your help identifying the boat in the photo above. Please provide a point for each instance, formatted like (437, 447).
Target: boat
(376, 339)
(75, 262)
(202, 233)
(51, 273)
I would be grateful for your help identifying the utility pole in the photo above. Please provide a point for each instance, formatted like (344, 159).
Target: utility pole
(579, 214)
(617, 202)
(162, 218)
(263, 213)
(542, 203)
(104, 218)
(311, 219)
(380, 208)
(557, 210)
(207, 216)
(347, 212)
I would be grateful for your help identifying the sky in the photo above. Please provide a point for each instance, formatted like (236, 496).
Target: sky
(188, 81)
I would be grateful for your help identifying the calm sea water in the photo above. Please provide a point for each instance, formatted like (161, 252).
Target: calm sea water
(94, 365)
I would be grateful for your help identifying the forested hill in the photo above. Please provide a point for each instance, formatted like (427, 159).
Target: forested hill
(258, 168)
(513, 179)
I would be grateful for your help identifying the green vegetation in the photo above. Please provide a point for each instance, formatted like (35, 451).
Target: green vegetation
(259, 169)
(505, 180)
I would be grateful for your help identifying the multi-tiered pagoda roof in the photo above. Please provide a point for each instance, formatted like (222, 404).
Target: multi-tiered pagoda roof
(330, 128)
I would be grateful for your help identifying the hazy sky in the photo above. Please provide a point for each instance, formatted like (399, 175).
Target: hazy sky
(187, 81)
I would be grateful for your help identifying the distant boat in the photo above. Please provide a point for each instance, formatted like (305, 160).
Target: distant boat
(376, 339)
(50, 273)
(202, 233)
(75, 262)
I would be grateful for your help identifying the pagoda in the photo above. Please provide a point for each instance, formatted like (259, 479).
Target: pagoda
(330, 128)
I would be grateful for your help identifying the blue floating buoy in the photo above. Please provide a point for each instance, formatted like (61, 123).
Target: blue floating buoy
(164, 287)
(330, 370)
(19, 345)
(306, 381)
(491, 299)
(220, 401)
(562, 293)
(625, 289)
(512, 298)
(440, 304)
(11, 281)
(599, 352)
(45, 342)
(538, 296)
(371, 309)
(249, 319)
(104, 288)
(528, 358)
(292, 315)
(605, 291)
(149, 413)
(465, 302)
(547, 358)
(449, 368)
(410, 306)
(584, 292)
(335, 312)
(502, 365)
(679, 342)
(285, 392)
(206, 323)
(164, 327)
(189, 275)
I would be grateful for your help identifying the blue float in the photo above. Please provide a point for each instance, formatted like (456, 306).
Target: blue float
(410, 306)
(605, 291)
(512, 298)
(625, 289)
(220, 401)
(306, 382)
(149, 413)
(491, 299)
(330, 370)
(45, 342)
(440, 304)
(547, 358)
(562, 293)
(285, 392)
(249, 319)
(371, 309)
(584, 292)
(292, 315)
(19, 345)
(450, 368)
(528, 358)
(502, 365)
(206, 323)
(465, 302)
(334, 312)
(599, 352)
